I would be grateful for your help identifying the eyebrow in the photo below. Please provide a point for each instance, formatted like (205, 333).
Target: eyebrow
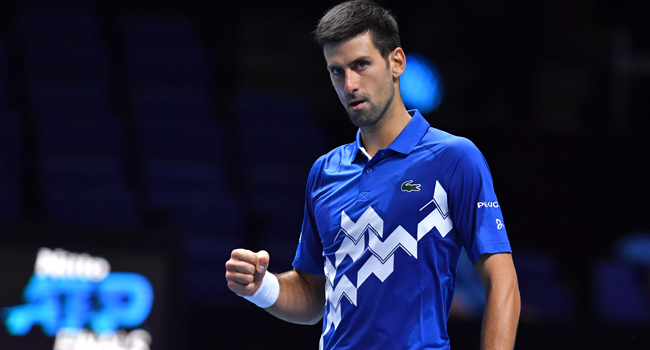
(356, 61)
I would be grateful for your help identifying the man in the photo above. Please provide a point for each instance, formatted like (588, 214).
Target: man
(386, 217)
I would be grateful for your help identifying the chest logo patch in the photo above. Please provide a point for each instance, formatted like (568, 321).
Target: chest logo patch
(408, 186)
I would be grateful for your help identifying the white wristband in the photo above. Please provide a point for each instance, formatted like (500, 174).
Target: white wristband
(268, 292)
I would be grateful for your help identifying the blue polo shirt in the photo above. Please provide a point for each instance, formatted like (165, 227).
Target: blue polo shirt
(387, 233)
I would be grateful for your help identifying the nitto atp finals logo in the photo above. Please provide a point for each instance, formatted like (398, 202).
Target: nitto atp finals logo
(77, 298)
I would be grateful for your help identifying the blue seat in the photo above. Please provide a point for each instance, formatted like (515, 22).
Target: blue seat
(542, 288)
(10, 140)
(279, 141)
(11, 200)
(81, 150)
(93, 206)
(279, 203)
(41, 25)
(202, 282)
(281, 242)
(163, 52)
(64, 101)
(281, 125)
(620, 294)
(58, 62)
(4, 70)
(173, 104)
(82, 171)
(77, 121)
(184, 177)
(98, 137)
(88, 190)
(218, 216)
(157, 30)
(11, 203)
(178, 124)
(62, 47)
(212, 223)
(88, 6)
(197, 201)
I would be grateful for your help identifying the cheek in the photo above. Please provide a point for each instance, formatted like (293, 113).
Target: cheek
(386, 84)
(338, 88)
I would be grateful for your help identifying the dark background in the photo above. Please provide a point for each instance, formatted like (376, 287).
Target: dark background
(554, 93)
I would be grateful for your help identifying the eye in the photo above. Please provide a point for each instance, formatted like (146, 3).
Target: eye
(362, 64)
(336, 71)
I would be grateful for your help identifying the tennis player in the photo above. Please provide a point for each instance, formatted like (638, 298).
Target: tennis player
(386, 216)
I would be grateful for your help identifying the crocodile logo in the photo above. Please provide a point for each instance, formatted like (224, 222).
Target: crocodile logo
(408, 187)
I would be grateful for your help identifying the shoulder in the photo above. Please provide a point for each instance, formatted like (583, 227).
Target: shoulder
(330, 162)
(335, 157)
(449, 147)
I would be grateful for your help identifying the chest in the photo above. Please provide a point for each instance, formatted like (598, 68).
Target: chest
(377, 198)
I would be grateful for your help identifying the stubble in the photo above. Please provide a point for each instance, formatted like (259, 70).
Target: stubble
(374, 115)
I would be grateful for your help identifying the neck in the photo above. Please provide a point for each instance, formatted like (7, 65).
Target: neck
(390, 125)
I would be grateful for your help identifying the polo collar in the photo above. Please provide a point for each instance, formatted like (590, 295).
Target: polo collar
(405, 141)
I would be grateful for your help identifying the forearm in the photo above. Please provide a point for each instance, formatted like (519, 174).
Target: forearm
(501, 316)
(300, 301)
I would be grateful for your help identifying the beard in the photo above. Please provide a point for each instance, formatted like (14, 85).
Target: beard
(374, 111)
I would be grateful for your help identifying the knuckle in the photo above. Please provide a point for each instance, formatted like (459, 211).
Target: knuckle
(235, 287)
(238, 253)
(246, 278)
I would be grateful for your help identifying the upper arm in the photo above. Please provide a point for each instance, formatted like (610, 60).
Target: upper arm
(317, 282)
(497, 269)
(473, 203)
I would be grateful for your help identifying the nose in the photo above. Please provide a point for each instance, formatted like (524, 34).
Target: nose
(351, 83)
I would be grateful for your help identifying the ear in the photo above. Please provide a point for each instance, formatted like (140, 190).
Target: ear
(397, 61)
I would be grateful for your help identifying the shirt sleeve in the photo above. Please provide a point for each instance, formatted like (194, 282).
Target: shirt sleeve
(309, 254)
(474, 206)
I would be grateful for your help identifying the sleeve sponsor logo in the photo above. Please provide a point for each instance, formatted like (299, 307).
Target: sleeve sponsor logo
(487, 205)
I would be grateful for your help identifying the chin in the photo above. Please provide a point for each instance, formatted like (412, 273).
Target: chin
(361, 119)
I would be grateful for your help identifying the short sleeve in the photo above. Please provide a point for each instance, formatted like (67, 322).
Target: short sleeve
(309, 254)
(474, 206)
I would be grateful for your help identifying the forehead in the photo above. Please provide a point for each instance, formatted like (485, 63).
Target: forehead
(350, 50)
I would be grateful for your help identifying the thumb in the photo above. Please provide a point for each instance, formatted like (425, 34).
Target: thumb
(262, 261)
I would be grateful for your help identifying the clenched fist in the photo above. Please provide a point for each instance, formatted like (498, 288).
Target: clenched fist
(245, 271)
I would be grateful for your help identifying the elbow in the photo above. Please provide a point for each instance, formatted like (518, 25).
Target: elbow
(310, 321)
(506, 290)
(514, 290)
(318, 317)
(313, 321)
(510, 296)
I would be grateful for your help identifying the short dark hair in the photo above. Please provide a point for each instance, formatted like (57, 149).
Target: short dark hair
(352, 18)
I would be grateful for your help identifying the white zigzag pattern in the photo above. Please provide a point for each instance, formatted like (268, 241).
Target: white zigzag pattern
(333, 319)
(354, 233)
(382, 261)
(375, 267)
(343, 288)
(438, 218)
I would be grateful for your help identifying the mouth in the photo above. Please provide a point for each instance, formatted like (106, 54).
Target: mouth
(356, 104)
